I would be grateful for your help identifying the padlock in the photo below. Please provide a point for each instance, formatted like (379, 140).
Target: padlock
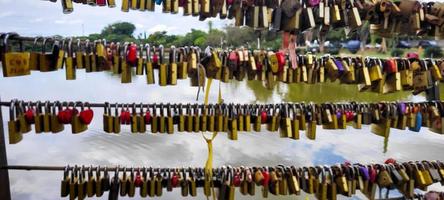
(125, 65)
(15, 136)
(88, 56)
(64, 189)
(77, 126)
(172, 67)
(56, 126)
(116, 119)
(140, 61)
(15, 63)
(134, 120)
(141, 120)
(46, 118)
(107, 119)
(163, 73)
(70, 68)
(34, 63)
(24, 126)
(149, 65)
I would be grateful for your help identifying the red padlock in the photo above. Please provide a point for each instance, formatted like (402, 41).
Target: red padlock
(259, 65)
(266, 179)
(264, 117)
(230, 2)
(349, 115)
(390, 66)
(29, 114)
(412, 55)
(138, 180)
(86, 115)
(390, 161)
(281, 60)
(101, 2)
(147, 117)
(155, 59)
(373, 174)
(182, 3)
(131, 55)
(175, 180)
(65, 116)
(236, 180)
(125, 116)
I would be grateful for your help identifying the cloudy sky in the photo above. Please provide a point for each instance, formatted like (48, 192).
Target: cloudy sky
(38, 17)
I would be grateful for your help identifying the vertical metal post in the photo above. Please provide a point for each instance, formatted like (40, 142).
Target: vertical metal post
(5, 191)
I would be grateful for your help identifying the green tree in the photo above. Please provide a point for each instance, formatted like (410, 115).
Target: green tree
(190, 38)
(214, 38)
(119, 28)
(239, 36)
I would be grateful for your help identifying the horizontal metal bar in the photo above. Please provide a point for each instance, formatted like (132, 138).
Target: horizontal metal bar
(165, 105)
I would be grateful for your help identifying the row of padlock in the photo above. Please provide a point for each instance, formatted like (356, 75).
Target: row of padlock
(387, 18)
(381, 75)
(287, 119)
(325, 182)
(68, 6)
(46, 118)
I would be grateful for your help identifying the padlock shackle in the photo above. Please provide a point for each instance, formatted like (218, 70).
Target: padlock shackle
(141, 50)
(5, 41)
(125, 49)
(173, 58)
(57, 104)
(69, 49)
(161, 53)
(87, 46)
(148, 52)
(12, 110)
(36, 41)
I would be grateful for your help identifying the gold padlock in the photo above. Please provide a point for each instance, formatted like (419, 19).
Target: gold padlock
(56, 126)
(15, 136)
(77, 126)
(70, 67)
(163, 73)
(15, 63)
(172, 69)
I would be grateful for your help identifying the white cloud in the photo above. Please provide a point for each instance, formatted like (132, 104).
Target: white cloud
(139, 25)
(6, 14)
(161, 27)
(35, 20)
(61, 21)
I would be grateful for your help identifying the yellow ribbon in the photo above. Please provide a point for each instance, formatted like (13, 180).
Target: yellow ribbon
(209, 163)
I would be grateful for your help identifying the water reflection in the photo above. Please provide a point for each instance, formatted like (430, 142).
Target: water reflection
(189, 149)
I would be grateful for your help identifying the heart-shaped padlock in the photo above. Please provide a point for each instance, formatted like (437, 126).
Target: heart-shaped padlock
(372, 174)
(266, 179)
(86, 115)
(350, 115)
(29, 115)
(281, 61)
(131, 56)
(138, 179)
(264, 116)
(125, 116)
(236, 180)
(155, 58)
(390, 161)
(65, 116)
(175, 180)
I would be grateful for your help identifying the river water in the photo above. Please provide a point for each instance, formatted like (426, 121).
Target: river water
(94, 147)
